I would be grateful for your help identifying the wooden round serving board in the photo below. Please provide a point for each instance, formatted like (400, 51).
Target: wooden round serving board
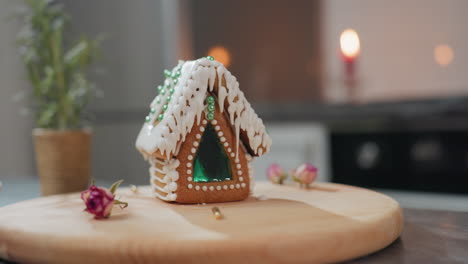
(278, 224)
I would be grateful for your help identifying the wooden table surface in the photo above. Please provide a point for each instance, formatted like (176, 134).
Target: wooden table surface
(430, 236)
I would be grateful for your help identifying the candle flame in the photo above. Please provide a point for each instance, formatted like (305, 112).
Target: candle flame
(443, 54)
(349, 42)
(220, 54)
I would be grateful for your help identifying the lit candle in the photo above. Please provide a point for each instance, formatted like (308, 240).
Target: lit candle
(350, 48)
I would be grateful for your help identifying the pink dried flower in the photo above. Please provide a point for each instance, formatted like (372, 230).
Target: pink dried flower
(276, 174)
(100, 201)
(304, 174)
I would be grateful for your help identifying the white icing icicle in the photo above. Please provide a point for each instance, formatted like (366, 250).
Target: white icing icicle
(188, 103)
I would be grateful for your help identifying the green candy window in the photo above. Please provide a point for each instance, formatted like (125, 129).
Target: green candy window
(211, 163)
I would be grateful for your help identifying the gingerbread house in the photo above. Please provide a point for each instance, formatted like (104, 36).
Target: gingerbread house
(201, 135)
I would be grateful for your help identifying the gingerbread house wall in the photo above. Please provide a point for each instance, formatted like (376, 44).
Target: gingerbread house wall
(172, 179)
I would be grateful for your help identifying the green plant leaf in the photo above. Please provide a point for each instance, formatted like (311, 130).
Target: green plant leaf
(57, 71)
(47, 115)
(114, 186)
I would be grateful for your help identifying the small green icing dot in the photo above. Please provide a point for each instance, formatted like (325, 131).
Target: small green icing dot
(210, 116)
(211, 58)
(178, 73)
(176, 81)
(210, 99)
(165, 107)
(211, 108)
(167, 73)
(152, 110)
(160, 117)
(168, 86)
(163, 91)
(147, 119)
(159, 88)
(168, 99)
(158, 99)
(171, 91)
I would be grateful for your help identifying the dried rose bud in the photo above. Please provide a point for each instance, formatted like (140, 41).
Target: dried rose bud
(276, 174)
(100, 201)
(304, 174)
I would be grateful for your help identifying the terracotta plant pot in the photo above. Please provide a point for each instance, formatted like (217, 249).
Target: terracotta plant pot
(63, 160)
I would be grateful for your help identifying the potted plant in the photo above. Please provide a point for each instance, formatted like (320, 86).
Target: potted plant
(58, 71)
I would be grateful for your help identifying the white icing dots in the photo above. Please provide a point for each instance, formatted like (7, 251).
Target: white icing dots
(218, 187)
(238, 166)
(190, 186)
(232, 154)
(239, 172)
(202, 129)
(241, 178)
(211, 188)
(189, 179)
(220, 134)
(231, 186)
(214, 122)
(226, 144)
(223, 139)
(197, 136)
(237, 160)
(195, 143)
(217, 128)
(204, 188)
(237, 186)
(243, 185)
(189, 165)
(190, 157)
(229, 150)
(225, 187)
(189, 172)
(197, 187)
(204, 122)
(193, 150)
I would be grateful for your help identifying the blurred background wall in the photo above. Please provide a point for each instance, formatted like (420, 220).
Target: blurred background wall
(16, 158)
(398, 42)
(396, 62)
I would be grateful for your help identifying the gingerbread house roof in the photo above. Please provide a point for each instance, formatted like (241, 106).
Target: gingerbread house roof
(185, 90)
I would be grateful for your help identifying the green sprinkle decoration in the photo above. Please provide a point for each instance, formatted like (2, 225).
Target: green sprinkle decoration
(176, 81)
(211, 108)
(152, 110)
(211, 58)
(163, 91)
(210, 116)
(167, 73)
(159, 88)
(165, 107)
(171, 91)
(158, 99)
(210, 99)
(160, 117)
(178, 73)
(168, 86)
(168, 99)
(147, 119)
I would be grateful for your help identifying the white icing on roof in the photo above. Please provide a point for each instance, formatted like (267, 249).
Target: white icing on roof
(187, 104)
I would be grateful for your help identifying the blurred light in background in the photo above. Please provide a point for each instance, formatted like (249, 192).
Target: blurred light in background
(443, 54)
(220, 54)
(349, 43)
